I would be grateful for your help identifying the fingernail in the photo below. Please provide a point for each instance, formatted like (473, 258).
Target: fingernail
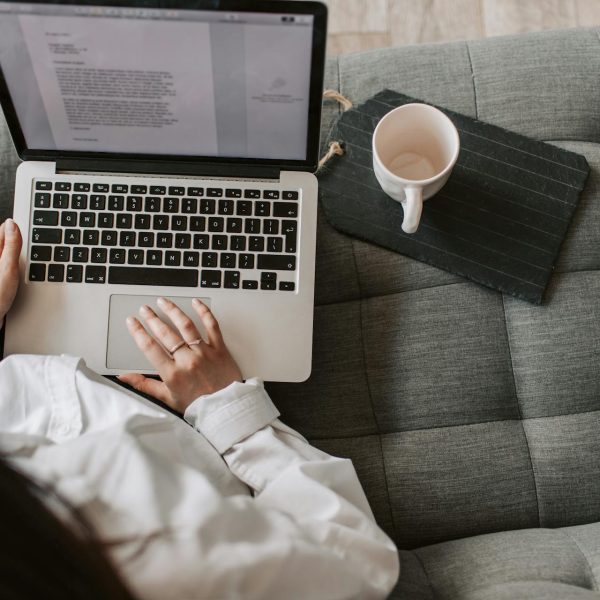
(145, 310)
(10, 226)
(130, 321)
(161, 301)
(196, 301)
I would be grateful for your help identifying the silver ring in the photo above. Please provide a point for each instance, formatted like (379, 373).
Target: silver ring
(176, 347)
(195, 342)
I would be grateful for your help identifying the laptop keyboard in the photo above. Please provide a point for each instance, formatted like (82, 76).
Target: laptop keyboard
(210, 237)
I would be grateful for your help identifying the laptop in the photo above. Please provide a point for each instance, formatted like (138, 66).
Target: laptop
(168, 150)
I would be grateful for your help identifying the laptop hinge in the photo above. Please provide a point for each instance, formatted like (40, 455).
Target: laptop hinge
(168, 168)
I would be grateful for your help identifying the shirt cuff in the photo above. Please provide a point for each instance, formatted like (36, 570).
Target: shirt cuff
(232, 414)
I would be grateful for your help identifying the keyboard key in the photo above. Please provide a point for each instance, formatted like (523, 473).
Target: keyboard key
(216, 224)
(246, 261)
(95, 274)
(45, 217)
(189, 205)
(60, 201)
(232, 280)
(268, 276)
(97, 202)
(191, 259)
(79, 201)
(102, 188)
(154, 257)
(134, 203)
(262, 209)
(289, 195)
(197, 223)
(124, 221)
(251, 193)
(256, 243)
(219, 242)
(164, 240)
(209, 259)
(171, 205)
(250, 284)
(109, 238)
(183, 241)
(271, 194)
(91, 238)
(72, 236)
(127, 238)
(214, 192)
(117, 256)
(244, 208)
(225, 207)
(207, 207)
(285, 209)
(155, 277)
(271, 227)
(152, 204)
(179, 223)
(238, 243)
(235, 193)
(290, 229)
(119, 188)
(276, 262)
(37, 271)
(287, 286)
(160, 222)
(228, 260)
(46, 236)
(43, 185)
(81, 187)
(176, 191)
(99, 255)
(81, 254)
(87, 219)
(172, 258)
(252, 226)
(74, 273)
(146, 239)
(160, 190)
(139, 189)
(195, 191)
(62, 254)
(56, 273)
(135, 257)
(234, 225)
(106, 220)
(201, 242)
(68, 219)
(268, 285)
(41, 253)
(274, 244)
(210, 279)
(116, 203)
(142, 221)
(42, 200)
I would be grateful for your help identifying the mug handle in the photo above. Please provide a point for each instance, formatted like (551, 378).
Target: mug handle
(413, 207)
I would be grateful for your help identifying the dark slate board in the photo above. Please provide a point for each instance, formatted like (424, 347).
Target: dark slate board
(499, 220)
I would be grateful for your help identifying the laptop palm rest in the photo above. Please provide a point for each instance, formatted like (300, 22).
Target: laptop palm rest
(122, 352)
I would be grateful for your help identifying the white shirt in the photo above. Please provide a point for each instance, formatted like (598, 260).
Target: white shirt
(236, 506)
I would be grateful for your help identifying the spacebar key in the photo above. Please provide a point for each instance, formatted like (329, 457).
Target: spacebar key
(147, 276)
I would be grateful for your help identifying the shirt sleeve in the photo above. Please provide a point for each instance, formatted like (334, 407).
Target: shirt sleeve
(321, 494)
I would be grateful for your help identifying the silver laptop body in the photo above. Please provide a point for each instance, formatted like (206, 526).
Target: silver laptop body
(165, 153)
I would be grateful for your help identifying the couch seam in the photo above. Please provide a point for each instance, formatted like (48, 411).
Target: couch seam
(585, 558)
(368, 384)
(415, 553)
(512, 367)
(472, 79)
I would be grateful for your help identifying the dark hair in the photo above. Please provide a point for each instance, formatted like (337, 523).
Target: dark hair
(43, 558)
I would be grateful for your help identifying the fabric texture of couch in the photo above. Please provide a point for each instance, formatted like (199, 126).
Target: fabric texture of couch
(472, 418)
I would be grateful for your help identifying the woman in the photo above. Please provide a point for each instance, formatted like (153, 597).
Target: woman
(133, 502)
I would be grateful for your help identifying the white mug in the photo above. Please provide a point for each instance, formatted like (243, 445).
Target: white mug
(415, 147)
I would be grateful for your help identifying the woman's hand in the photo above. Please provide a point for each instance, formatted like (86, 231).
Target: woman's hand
(193, 367)
(10, 249)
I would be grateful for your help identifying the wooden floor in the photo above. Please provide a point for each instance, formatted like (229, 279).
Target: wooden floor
(356, 25)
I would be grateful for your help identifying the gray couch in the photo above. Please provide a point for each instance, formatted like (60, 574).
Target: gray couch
(473, 418)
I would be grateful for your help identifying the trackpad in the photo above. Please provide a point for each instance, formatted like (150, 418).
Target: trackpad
(122, 352)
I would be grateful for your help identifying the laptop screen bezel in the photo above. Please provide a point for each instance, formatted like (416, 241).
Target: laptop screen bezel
(316, 9)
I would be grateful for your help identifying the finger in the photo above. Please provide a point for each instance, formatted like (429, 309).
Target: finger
(148, 345)
(2, 227)
(213, 331)
(184, 324)
(12, 244)
(165, 334)
(146, 385)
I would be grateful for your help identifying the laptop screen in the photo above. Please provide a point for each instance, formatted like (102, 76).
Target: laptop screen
(154, 81)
